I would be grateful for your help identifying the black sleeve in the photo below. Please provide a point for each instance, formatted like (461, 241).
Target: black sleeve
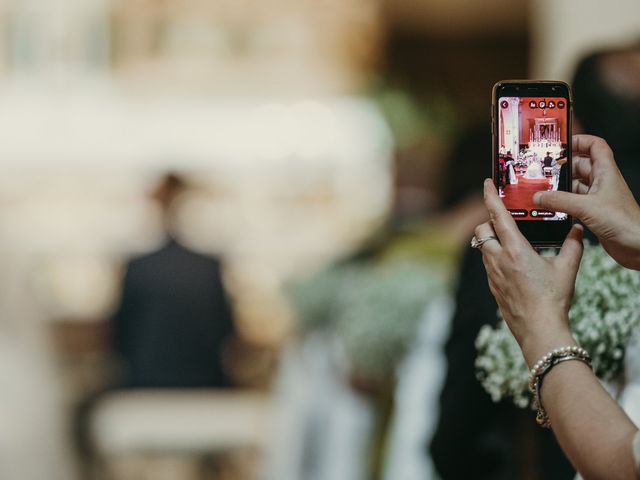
(475, 437)
(467, 414)
(225, 311)
(119, 336)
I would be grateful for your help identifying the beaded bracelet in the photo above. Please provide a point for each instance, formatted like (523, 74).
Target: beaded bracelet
(544, 366)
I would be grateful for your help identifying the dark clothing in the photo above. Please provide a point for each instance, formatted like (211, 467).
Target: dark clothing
(172, 321)
(476, 438)
(630, 167)
(548, 161)
(168, 330)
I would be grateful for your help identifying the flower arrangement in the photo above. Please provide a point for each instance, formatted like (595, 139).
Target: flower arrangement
(604, 316)
(374, 310)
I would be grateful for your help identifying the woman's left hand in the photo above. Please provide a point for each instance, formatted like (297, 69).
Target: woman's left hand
(533, 292)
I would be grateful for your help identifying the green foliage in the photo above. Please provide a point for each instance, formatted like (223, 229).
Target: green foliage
(375, 310)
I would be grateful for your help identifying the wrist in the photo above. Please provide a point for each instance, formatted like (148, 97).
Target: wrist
(635, 248)
(631, 240)
(538, 344)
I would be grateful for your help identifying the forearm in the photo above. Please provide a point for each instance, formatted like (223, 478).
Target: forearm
(590, 426)
(592, 429)
(631, 238)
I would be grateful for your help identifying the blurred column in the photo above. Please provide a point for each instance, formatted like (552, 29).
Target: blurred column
(57, 39)
(279, 47)
(565, 30)
(33, 435)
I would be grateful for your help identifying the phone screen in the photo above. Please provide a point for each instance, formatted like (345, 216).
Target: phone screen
(532, 153)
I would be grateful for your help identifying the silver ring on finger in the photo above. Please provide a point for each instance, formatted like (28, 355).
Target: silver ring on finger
(478, 242)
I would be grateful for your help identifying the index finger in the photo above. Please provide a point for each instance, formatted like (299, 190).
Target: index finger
(503, 224)
(581, 167)
(596, 149)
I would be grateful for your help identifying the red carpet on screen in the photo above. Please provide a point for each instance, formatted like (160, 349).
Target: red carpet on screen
(521, 194)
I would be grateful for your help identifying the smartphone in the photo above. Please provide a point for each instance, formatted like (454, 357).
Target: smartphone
(531, 129)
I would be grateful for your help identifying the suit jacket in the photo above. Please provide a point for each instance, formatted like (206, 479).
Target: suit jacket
(172, 320)
(476, 438)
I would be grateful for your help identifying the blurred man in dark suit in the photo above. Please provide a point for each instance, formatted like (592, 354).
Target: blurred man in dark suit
(476, 438)
(171, 326)
(174, 318)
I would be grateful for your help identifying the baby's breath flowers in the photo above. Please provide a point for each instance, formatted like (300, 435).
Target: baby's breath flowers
(374, 310)
(604, 316)
(500, 365)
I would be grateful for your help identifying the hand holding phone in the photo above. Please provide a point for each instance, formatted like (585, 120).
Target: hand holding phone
(533, 292)
(531, 125)
(602, 200)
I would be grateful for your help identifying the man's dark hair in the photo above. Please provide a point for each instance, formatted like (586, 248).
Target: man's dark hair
(169, 186)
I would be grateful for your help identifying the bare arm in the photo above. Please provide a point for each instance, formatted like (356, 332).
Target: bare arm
(592, 429)
(534, 294)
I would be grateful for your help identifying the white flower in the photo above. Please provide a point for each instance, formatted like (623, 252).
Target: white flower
(604, 315)
(375, 310)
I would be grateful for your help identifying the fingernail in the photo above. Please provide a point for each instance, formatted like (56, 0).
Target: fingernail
(537, 197)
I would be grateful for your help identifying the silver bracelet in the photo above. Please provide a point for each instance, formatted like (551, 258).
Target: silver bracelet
(544, 366)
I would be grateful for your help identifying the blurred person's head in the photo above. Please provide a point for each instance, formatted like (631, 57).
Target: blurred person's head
(169, 187)
(606, 88)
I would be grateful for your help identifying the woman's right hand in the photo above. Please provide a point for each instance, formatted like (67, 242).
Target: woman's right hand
(601, 200)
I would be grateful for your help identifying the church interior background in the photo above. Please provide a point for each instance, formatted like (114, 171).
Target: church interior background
(302, 124)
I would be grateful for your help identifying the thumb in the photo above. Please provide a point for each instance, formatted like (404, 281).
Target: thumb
(570, 203)
(571, 251)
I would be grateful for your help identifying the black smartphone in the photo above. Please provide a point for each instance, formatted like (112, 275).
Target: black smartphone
(531, 128)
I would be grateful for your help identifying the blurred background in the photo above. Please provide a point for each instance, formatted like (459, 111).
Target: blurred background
(324, 156)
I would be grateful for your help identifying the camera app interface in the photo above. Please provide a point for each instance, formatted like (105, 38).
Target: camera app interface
(532, 153)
